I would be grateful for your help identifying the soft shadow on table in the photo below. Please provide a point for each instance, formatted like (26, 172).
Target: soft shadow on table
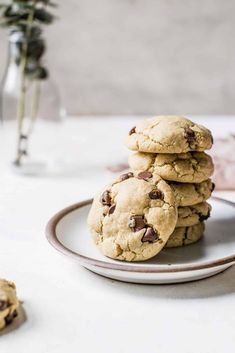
(219, 285)
(218, 227)
(175, 255)
(17, 322)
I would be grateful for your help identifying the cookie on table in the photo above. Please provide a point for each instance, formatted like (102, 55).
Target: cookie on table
(189, 194)
(191, 215)
(185, 235)
(190, 167)
(169, 134)
(133, 217)
(8, 302)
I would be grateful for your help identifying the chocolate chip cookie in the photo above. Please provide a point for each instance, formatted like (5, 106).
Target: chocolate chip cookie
(190, 194)
(133, 217)
(8, 302)
(190, 167)
(169, 134)
(185, 235)
(191, 215)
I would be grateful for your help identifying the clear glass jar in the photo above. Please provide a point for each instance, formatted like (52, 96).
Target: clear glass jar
(24, 100)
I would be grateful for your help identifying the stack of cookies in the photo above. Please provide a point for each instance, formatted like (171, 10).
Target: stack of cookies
(173, 148)
(161, 202)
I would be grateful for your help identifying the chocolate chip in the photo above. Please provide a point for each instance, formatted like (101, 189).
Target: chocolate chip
(112, 209)
(126, 176)
(189, 134)
(145, 175)
(156, 194)
(150, 235)
(9, 318)
(105, 198)
(204, 217)
(3, 305)
(213, 187)
(136, 223)
(132, 131)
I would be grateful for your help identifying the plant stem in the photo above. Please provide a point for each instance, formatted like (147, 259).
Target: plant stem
(35, 104)
(33, 111)
(21, 108)
(22, 89)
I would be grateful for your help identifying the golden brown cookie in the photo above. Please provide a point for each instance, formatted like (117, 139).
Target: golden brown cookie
(185, 235)
(132, 218)
(169, 134)
(190, 167)
(8, 302)
(190, 194)
(191, 215)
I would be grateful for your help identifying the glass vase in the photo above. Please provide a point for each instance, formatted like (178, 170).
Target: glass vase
(26, 98)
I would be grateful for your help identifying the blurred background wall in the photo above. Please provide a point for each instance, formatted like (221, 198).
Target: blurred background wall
(142, 56)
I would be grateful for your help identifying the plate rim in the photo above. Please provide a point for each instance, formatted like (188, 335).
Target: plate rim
(125, 266)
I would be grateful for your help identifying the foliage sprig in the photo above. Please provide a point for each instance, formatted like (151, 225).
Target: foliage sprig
(25, 19)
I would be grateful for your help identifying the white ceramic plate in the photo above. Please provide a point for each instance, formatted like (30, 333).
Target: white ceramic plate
(67, 232)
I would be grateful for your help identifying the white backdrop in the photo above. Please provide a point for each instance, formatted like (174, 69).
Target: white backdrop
(138, 57)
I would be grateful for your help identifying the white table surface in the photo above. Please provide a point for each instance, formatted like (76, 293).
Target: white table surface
(70, 309)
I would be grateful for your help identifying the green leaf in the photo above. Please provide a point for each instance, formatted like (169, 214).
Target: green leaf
(52, 4)
(36, 49)
(8, 22)
(31, 3)
(43, 16)
(42, 73)
(48, 3)
(18, 11)
(37, 73)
